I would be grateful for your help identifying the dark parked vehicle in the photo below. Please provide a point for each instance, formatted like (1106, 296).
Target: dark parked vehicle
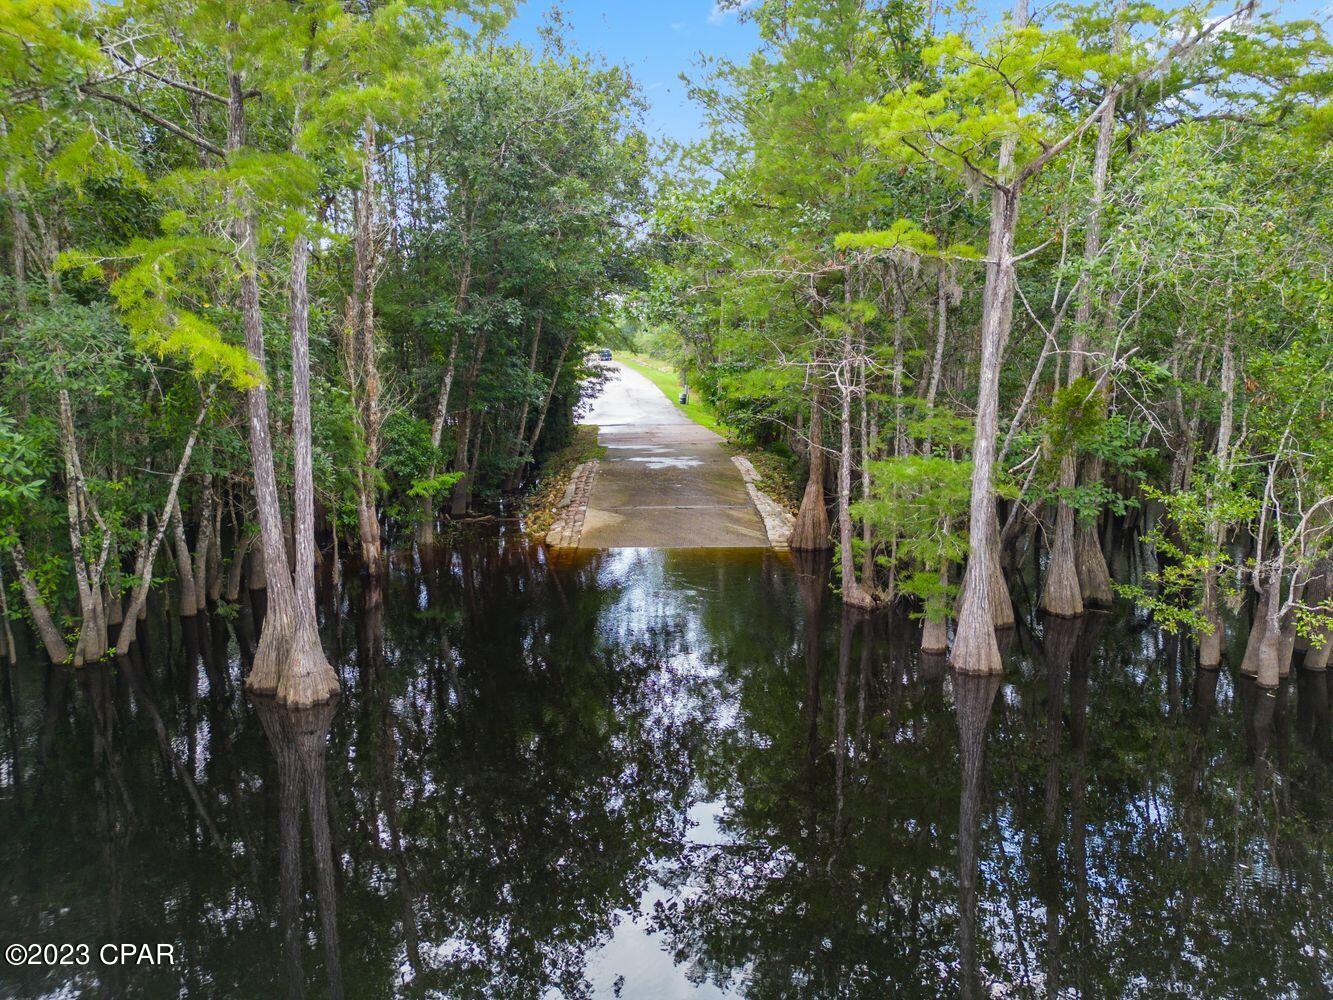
(604, 354)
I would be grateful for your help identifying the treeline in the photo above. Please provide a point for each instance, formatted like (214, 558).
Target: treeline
(1007, 292)
(281, 279)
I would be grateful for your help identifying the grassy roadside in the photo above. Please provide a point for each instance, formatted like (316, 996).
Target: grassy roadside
(775, 476)
(662, 375)
(540, 506)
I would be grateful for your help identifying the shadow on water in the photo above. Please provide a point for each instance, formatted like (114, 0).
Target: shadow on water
(664, 774)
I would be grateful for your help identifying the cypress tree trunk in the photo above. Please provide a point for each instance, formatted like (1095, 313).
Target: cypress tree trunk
(867, 533)
(1287, 633)
(1094, 576)
(1249, 664)
(213, 588)
(426, 525)
(189, 594)
(458, 500)
(520, 454)
(1316, 658)
(975, 650)
(236, 568)
(462, 491)
(935, 636)
(203, 543)
(1062, 595)
(359, 355)
(41, 614)
(273, 655)
(257, 576)
(852, 591)
(1268, 667)
(1319, 593)
(144, 567)
(1210, 643)
(531, 446)
(82, 513)
(941, 333)
(309, 679)
(11, 652)
(810, 532)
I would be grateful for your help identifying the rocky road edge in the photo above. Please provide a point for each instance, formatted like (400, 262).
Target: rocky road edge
(567, 528)
(777, 521)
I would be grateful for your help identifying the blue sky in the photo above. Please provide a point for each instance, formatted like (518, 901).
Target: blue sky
(659, 39)
(656, 39)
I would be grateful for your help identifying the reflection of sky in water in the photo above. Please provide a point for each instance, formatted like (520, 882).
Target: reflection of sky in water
(660, 598)
(669, 463)
(656, 456)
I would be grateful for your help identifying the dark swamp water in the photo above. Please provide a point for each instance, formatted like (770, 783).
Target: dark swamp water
(668, 774)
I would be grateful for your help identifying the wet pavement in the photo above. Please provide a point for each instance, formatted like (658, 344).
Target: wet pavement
(665, 481)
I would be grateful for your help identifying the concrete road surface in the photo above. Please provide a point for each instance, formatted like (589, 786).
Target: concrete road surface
(665, 481)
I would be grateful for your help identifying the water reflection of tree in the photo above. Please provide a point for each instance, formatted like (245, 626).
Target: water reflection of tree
(298, 739)
(517, 748)
(838, 874)
(1117, 839)
(511, 776)
(502, 774)
(973, 697)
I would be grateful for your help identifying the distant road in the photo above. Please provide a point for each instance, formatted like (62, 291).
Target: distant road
(665, 481)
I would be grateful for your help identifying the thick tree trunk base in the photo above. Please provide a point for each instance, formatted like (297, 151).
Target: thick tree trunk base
(90, 649)
(425, 530)
(1286, 649)
(273, 654)
(1317, 659)
(372, 551)
(811, 531)
(1094, 576)
(1269, 667)
(935, 636)
(309, 679)
(858, 597)
(1249, 664)
(461, 498)
(975, 650)
(258, 570)
(1210, 647)
(372, 559)
(1062, 595)
(1001, 605)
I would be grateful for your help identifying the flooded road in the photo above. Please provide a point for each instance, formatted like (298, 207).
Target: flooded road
(665, 774)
